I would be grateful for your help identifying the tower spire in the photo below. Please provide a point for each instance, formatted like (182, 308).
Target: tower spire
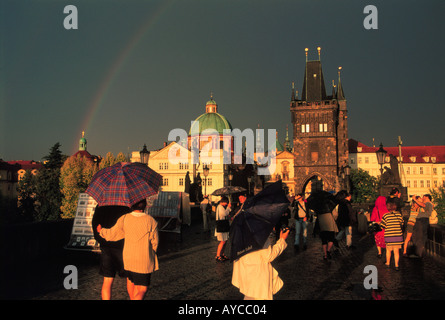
(340, 93)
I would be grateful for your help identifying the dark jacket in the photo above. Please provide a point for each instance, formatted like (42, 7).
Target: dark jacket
(346, 215)
(107, 217)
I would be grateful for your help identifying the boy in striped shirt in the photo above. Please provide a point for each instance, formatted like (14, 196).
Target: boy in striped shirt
(392, 223)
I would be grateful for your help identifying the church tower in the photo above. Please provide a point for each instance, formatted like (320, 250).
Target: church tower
(320, 131)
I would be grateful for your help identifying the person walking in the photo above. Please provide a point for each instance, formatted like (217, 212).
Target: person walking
(254, 274)
(377, 214)
(420, 231)
(140, 232)
(346, 217)
(111, 261)
(301, 221)
(222, 227)
(392, 222)
(206, 209)
(415, 208)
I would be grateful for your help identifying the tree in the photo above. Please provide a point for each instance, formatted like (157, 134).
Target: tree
(26, 192)
(75, 176)
(108, 161)
(438, 196)
(364, 186)
(47, 186)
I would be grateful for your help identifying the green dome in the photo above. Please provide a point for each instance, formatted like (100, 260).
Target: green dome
(211, 120)
(211, 101)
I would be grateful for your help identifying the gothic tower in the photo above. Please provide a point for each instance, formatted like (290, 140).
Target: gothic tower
(320, 131)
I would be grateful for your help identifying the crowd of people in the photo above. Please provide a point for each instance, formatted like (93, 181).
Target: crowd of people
(394, 233)
(136, 257)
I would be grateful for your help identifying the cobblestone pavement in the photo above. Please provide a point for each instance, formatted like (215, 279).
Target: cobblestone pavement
(188, 271)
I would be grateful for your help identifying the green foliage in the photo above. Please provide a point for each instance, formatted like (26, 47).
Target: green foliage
(47, 187)
(75, 176)
(26, 192)
(438, 196)
(364, 187)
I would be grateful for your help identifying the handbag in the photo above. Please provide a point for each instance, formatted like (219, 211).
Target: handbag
(374, 227)
(222, 225)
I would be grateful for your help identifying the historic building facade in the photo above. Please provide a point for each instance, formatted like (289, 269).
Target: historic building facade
(421, 168)
(320, 131)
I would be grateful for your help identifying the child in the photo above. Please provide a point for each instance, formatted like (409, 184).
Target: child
(392, 223)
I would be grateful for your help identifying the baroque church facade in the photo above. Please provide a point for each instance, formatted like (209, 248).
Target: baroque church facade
(320, 131)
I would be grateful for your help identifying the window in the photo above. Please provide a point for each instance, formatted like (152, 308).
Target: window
(209, 181)
(183, 166)
(422, 184)
(181, 181)
(323, 127)
(428, 183)
(421, 170)
(415, 183)
(165, 181)
(408, 183)
(305, 128)
(408, 170)
(366, 159)
(163, 166)
(434, 171)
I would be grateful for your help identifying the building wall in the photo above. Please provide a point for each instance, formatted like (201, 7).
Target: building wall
(419, 178)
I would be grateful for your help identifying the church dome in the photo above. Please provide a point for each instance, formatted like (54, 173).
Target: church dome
(211, 119)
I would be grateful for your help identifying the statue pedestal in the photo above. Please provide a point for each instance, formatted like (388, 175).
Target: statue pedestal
(387, 188)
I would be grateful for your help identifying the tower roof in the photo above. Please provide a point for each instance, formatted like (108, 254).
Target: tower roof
(313, 85)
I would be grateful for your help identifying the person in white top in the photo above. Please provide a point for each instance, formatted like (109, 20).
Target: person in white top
(222, 212)
(254, 274)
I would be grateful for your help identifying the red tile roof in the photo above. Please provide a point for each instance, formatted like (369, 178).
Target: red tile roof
(420, 152)
(27, 164)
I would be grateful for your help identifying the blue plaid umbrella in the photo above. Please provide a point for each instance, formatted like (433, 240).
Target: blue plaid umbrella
(124, 184)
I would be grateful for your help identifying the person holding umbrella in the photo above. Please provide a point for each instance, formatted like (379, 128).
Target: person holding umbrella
(252, 236)
(140, 232)
(323, 203)
(111, 261)
(222, 227)
(129, 185)
(254, 274)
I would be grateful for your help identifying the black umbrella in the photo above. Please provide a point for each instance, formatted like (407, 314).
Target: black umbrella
(321, 202)
(228, 190)
(253, 225)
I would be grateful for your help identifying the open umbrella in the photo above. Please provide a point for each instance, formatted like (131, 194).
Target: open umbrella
(228, 190)
(321, 202)
(253, 225)
(124, 184)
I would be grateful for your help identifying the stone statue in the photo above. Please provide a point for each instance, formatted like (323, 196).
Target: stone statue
(391, 175)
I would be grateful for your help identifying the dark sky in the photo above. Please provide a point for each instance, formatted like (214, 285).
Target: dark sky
(134, 70)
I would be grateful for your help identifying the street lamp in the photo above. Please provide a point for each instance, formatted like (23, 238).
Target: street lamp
(144, 153)
(347, 170)
(381, 155)
(205, 172)
(230, 178)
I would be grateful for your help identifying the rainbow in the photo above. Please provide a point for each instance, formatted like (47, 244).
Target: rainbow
(118, 64)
